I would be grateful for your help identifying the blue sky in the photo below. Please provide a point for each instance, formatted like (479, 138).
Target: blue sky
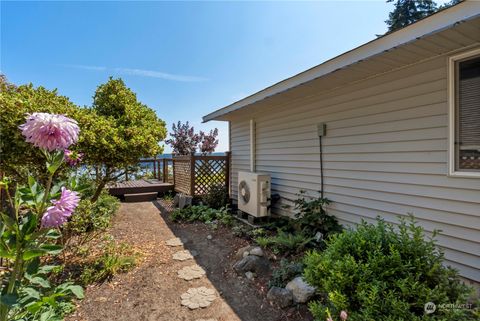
(183, 59)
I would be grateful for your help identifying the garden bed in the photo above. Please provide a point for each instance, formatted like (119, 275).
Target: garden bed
(152, 290)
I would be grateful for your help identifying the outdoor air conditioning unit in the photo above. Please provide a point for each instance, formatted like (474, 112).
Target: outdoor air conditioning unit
(254, 193)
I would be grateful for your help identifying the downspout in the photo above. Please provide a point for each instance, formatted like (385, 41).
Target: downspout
(253, 151)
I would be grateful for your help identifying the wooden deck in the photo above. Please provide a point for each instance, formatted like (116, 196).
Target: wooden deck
(139, 186)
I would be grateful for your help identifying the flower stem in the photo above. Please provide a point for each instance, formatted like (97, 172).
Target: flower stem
(45, 197)
(17, 267)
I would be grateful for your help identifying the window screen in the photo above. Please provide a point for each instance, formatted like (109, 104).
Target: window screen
(468, 115)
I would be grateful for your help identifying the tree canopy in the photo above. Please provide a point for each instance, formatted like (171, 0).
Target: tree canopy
(185, 141)
(115, 132)
(407, 12)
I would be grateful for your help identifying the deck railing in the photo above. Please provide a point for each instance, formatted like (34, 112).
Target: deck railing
(191, 174)
(157, 168)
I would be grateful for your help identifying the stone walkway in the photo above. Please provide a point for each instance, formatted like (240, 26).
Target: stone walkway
(167, 286)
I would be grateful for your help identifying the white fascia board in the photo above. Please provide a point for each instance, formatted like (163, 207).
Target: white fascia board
(434, 23)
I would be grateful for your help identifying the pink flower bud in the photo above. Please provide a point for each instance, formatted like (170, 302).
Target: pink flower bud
(343, 315)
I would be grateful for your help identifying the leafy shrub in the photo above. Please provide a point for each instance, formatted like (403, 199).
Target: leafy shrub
(217, 197)
(39, 299)
(376, 273)
(241, 230)
(115, 258)
(202, 213)
(91, 218)
(312, 218)
(285, 242)
(168, 196)
(286, 272)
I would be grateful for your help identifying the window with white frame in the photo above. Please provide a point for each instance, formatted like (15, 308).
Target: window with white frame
(465, 114)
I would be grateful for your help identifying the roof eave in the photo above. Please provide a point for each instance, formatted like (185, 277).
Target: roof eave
(436, 22)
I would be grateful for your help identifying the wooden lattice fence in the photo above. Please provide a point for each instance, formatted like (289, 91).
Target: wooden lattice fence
(195, 175)
(182, 174)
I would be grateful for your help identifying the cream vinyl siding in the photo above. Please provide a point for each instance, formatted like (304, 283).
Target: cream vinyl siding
(385, 153)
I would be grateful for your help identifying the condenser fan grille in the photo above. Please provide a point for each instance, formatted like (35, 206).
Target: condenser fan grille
(244, 192)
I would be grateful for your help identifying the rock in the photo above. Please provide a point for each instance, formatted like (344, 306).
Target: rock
(301, 290)
(209, 237)
(176, 200)
(246, 253)
(184, 201)
(252, 263)
(241, 252)
(249, 275)
(280, 296)
(256, 251)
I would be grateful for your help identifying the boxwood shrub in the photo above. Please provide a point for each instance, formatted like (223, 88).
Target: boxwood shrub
(385, 272)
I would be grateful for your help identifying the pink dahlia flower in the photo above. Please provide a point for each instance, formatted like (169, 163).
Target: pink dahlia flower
(50, 131)
(72, 158)
(61, 210)
(343, 315)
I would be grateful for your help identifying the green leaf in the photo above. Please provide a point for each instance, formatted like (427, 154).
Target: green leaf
(9, 299)
(6, 253)
(33, 266)
(46, 268)
(77, 290)
(53, 234)
(35, 307)
(52, 249)
(38, 280)
(56, 189)
(30, 223)
(49, 316)
(33, 253)
(54, 162)
(32, 293)
(9, 222)
(31, 181)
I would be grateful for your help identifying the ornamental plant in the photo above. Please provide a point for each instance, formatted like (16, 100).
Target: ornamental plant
(185, 141)
(384, 272)
(30, 223)
(116, 131)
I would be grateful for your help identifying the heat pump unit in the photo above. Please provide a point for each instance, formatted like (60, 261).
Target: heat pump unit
(254, 193)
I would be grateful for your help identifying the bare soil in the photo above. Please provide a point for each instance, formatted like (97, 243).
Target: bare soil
(152, 290)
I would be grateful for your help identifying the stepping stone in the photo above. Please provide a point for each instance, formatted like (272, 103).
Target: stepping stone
(191, 272)
(184, 255)
(174, 242)
(196, 298)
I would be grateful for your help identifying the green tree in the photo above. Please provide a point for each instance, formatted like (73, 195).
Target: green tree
(449, 4)
(122, 130)
(114, 133)
(407, 12)
(18, 156)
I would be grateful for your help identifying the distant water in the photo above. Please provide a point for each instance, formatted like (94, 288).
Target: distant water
(169, 155)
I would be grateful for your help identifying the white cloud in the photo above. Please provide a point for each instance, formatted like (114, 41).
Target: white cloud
(94, 68)
(158, 74)
(141, 73)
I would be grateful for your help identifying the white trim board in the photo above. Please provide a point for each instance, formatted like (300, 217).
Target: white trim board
(452, 115)
(434, 23)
